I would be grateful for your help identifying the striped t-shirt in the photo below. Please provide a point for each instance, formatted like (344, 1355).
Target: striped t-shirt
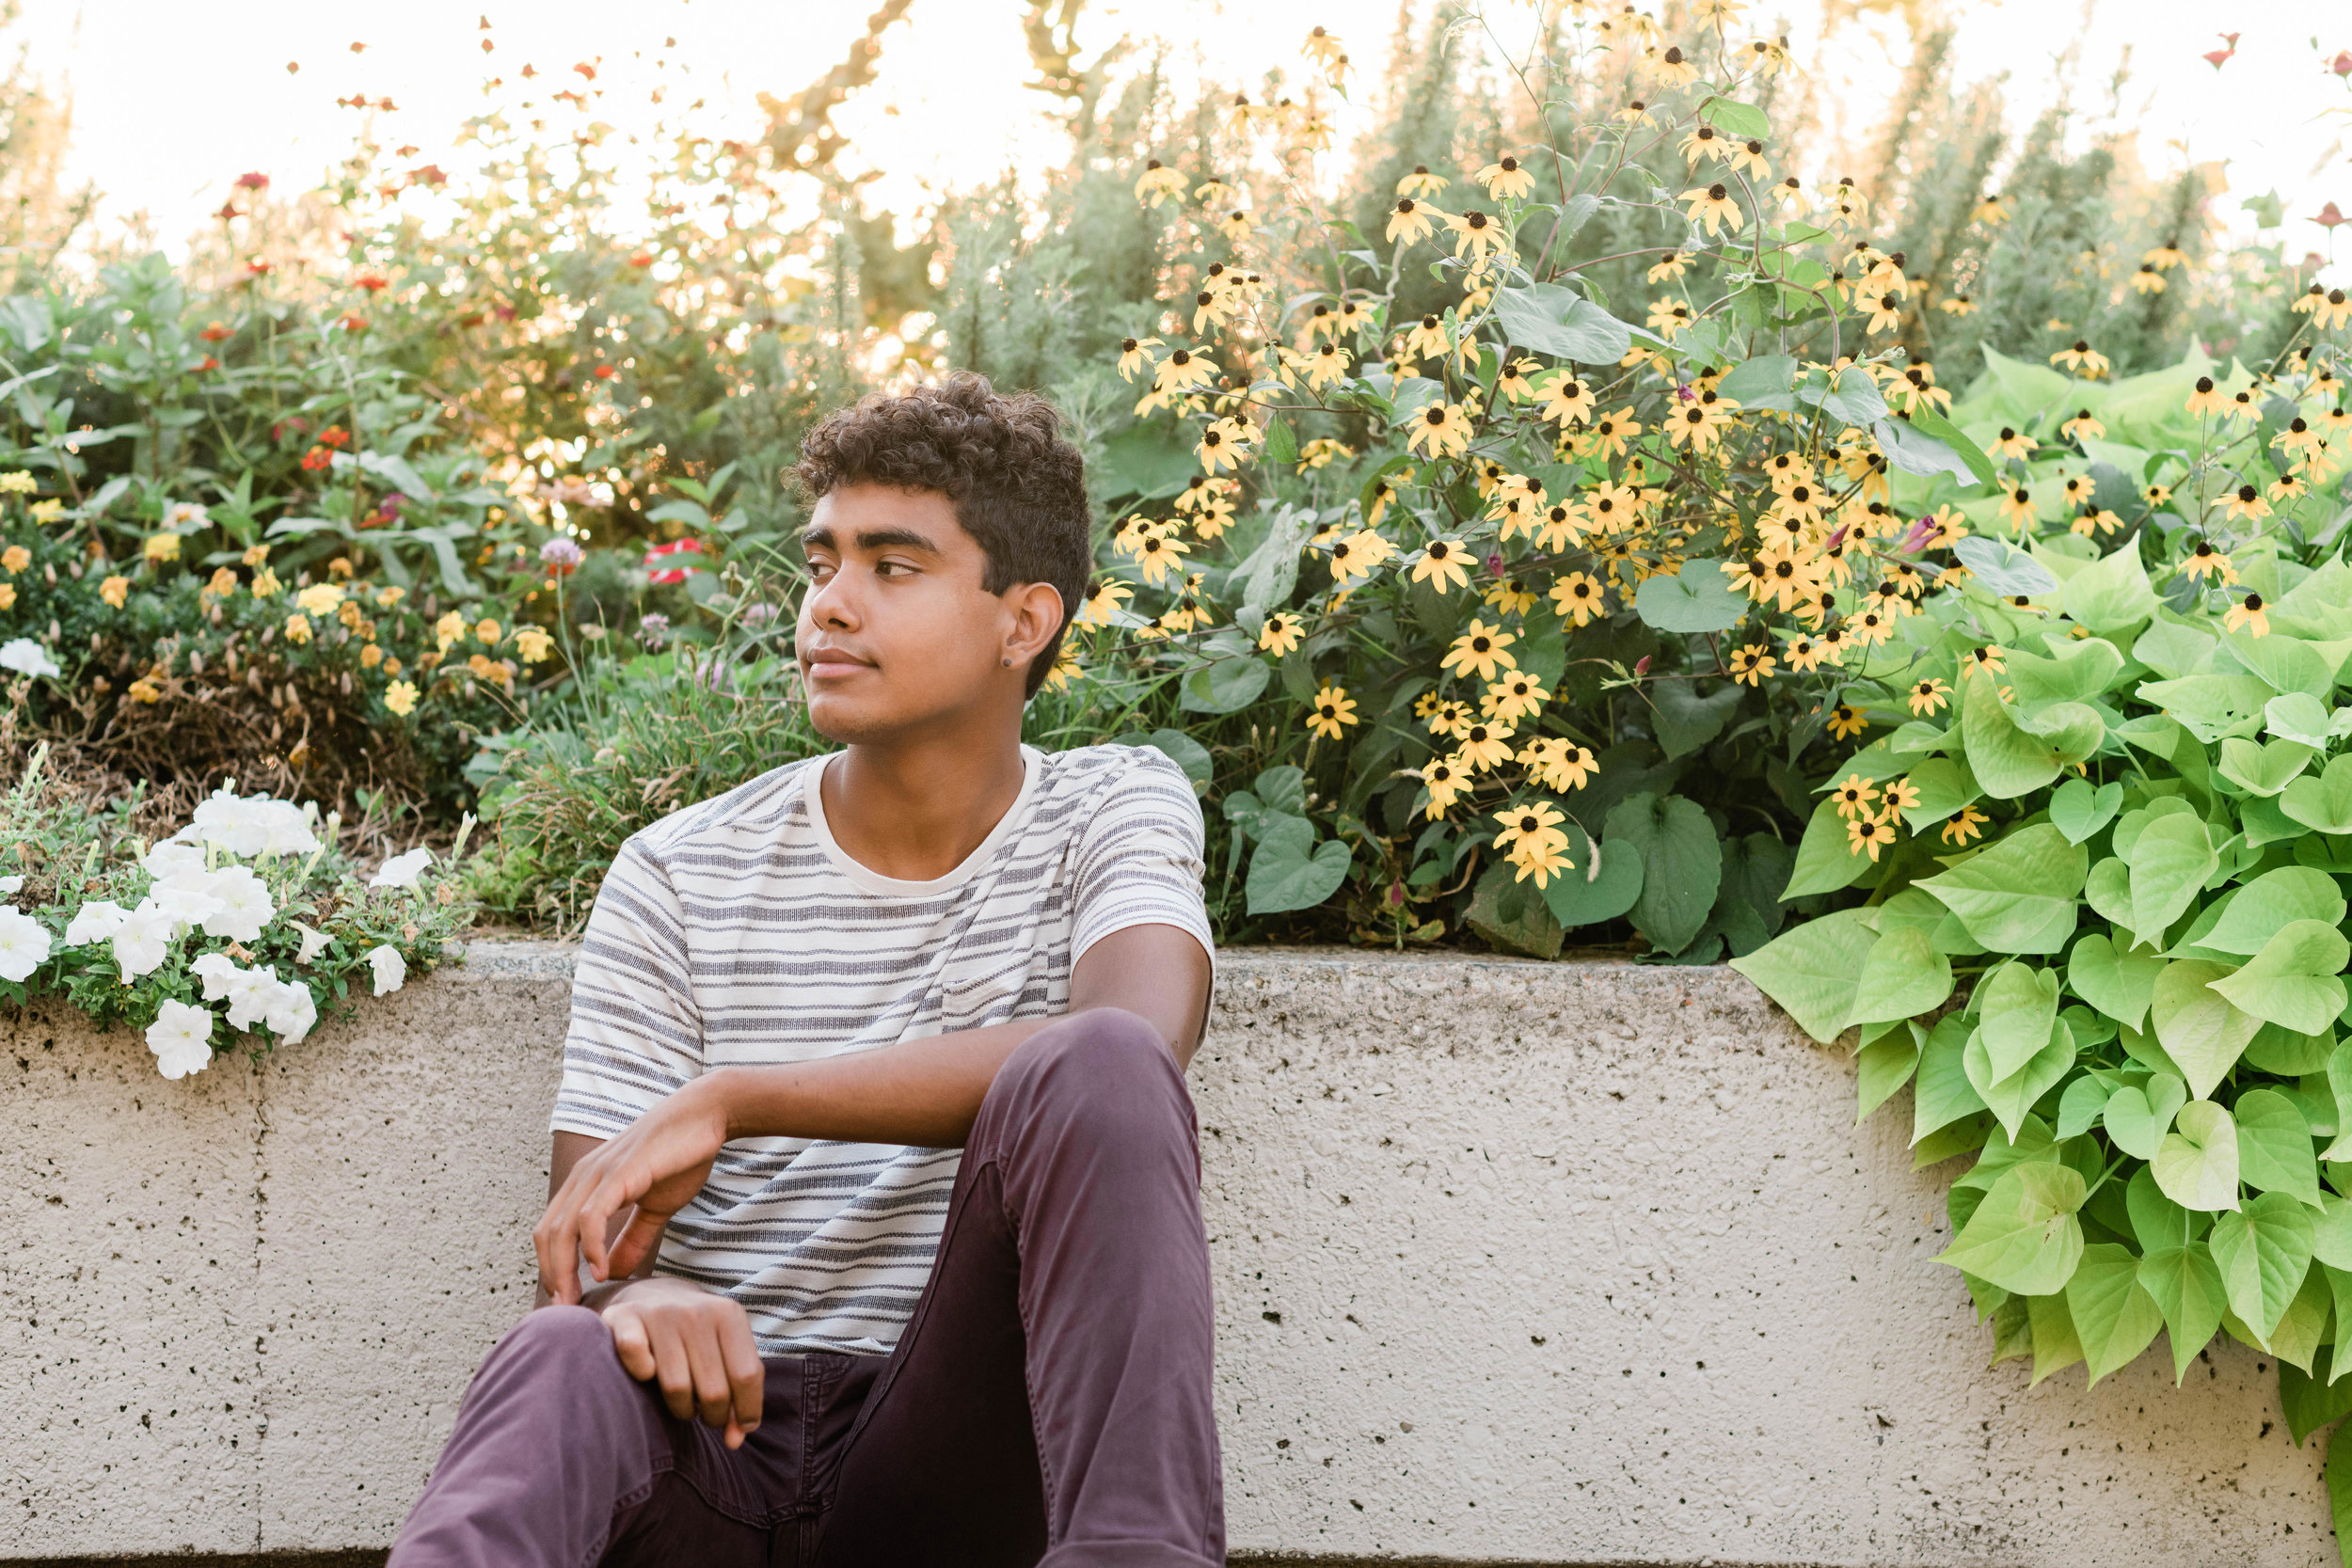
(738, 931)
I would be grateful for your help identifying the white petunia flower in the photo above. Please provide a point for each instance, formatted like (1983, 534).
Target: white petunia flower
(215, 970)
(181, 1040)
(11, 886)
(173, 858)
(286, 829)
(291, 1012)
(182, 901)
(26, 656)
(313, 943)
(251, 993)
(246, 905)
(392, 970)
(143, 938)
(24, 943)
(95, 922)
(402, 870)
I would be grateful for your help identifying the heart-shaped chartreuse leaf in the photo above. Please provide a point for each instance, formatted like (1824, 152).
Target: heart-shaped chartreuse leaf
(2200, 1028)
(2187, 1287)
(2013, 752)
(2012, 1095)
(2023, 1237)
(2078, 811)
(2267, 769)
(2170, 860)
(2322, 803)
(2115, 1317)
(1812, 970)
(2076, 670)
(2292, 981)
(2300, 716)
(2274, 1147)
(2139, 1116)
(2197, 1164)
(2271, 901)
(2014, 1006)
(1902, 976)
(2117, 984)
(2263, 1250)
(2018, 896)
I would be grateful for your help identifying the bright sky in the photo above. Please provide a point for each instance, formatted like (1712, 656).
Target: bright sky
(174, 100)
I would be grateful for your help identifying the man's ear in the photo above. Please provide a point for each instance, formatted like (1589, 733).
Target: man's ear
(1037, 615)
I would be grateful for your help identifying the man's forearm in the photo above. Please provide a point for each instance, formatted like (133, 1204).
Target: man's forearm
(924, 1092)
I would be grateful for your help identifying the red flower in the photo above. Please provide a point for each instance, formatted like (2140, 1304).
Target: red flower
(257, 267)
(336, 436)
(2330, 216)
(2341, 64)
(295, 424)
(606, 373)
(370, 282)
(428, 174)
(228, 210)
(586, 69)
(215, 333)
(209, 364)
(317, 460)
(656, 572)
(641, 260)
(254, 182)
(471, 318)
(354, 322)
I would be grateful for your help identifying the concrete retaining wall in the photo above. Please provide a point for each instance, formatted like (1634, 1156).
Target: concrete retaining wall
(1559, 1263)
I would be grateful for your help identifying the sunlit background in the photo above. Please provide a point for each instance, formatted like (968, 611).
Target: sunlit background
(172, 101)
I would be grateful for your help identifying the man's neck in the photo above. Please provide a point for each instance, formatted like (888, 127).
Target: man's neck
(914, 810)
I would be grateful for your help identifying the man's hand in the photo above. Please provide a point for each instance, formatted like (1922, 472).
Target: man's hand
(695, 1344)
(658, 1166)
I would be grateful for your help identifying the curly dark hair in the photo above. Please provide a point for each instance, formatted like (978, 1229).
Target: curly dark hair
(1018, 488)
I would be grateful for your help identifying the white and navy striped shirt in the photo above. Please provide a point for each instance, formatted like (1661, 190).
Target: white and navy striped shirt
(738, 931)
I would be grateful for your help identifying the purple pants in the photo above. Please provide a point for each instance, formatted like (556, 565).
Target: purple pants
(1049, 1402)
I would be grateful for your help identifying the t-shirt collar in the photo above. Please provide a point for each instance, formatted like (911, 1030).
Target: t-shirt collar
(893, 887)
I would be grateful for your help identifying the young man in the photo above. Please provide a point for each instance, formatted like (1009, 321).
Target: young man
(873, 1131)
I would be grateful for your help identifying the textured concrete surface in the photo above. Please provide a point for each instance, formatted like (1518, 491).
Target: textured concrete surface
(1565, 1264)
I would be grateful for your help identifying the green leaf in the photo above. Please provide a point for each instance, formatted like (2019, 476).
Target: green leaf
(1553, 320)
(2007, 761)
(2292, 981)
(1281, 444)
(2312, 1399)
(2196, 1166)
(2169, 863)
(2263, 1250)
(2081, 1106)
(1812, 970)
(1741, 120)
(1698, 598)
(1929, 422)
(1606, 882)
(1510, 912)
(2339, 1470)
(2274, 1147)
(1684, 721)
(2157, 1220)
(2023, 1237)
(2321, 804)
(2197, 1026)
(1883, 1067)
(2300, 717)
(2117, 984)
(1944, 787)
(1944, 1095)
(2186, 1288)
(1826, 859)
(2004, 568)
(2078, 811)
(2056, 1345)
(1188, 753)
(2014, 1006)
(1267, 579)
(2269, 903)
(2264, 769)
(1910, 451)
(2018, 896)
(1682, 864)
(2332, 1237)
(2112, 594)
(2283, 663)
(2299, 1334)
(1223, 685)
(2115, 1318)
(1854, 397)
(2012, 1096)
(1283, 789)
(1904, 976)
(1290, 871)
(2139, 1116)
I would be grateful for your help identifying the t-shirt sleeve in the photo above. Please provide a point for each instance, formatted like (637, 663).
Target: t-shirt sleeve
(1139, 857)
(636, 1034)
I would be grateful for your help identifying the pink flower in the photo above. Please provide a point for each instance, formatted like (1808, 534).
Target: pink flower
(562, 557)
(657, 572)
(254, 182)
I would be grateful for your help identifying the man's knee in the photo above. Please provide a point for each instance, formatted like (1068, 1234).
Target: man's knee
(559, 1341)
(1106, 1070)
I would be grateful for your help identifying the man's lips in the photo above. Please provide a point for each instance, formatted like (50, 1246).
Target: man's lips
(832, 664)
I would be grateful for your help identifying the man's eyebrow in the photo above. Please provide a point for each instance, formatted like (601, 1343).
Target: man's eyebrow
(819, 536)
(886, 538)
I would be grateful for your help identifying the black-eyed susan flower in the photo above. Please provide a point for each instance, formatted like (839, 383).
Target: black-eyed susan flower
(1481, 651)
(1987, 661)
(1929, 697)
(1413, 220)
(2250, 615)
(1561, 524)
(1446, 778)
(1323, 46)
(1159, 182)
(1515, 697)
(1673, 267)
(1669, 66)
(2245, 504)
(1853, 795)
(2017, 508)
(1159, 553)
(1475, 234)
(1427, 335)
(1699, 424)
(1636, 113)
(1765, 56)
(1802, 651)
(2163, 258)
(1184, 369)
(1537, 820)
(2013, 444)
(1224, 443)
(1440, 430)
(1902, 798)
(1132, 355)
(1963, 825)
(1421, 182)
(1561, 765)
(2147, 280)
(1607, 435)
(1542, 859)
(1955, 305)
(1102, 601)
(1566, 399)
(1444, 565)
(1846, 722)
(1450, 717)
(1751, 663)
(1506, 180)
(2081, 358)
(1868, 836)
(1578, 598)
(1281, 633)
(1485, 745)
(1711, 207)
(1704, 143)
(1328, 363)
(1511, 595)
(1511, 383)
(2205, 398)
(2085, 425)
(1331, 713)
(1668, 317)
